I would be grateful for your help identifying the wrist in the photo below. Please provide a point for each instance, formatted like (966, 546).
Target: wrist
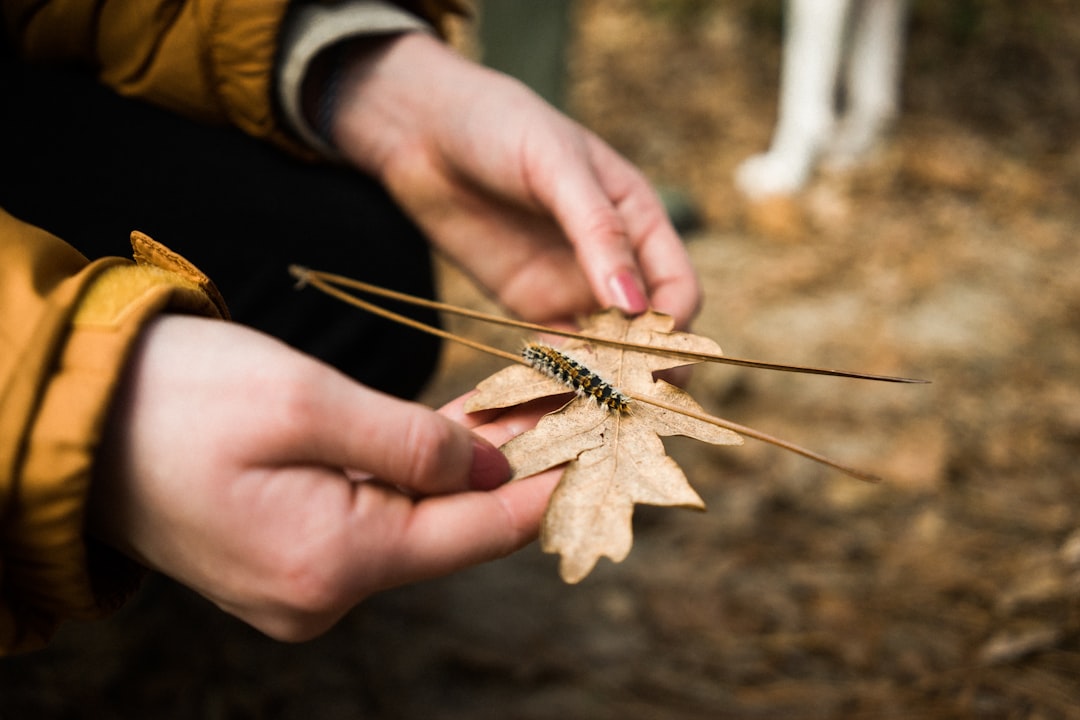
(388, 97)
(309, 31)
(321, 89)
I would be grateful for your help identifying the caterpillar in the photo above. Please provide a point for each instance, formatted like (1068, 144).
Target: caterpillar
(573, 374)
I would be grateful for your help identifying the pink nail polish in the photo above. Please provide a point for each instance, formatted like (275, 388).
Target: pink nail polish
(490, 468)
(628, 294)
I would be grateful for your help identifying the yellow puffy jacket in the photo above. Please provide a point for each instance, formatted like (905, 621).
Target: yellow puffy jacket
(66, 323)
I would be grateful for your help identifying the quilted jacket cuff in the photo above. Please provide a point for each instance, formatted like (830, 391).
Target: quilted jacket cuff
(311, 29)
(59, 572)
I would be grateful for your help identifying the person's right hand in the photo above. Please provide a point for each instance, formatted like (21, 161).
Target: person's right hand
(223, 466)
(541, 212)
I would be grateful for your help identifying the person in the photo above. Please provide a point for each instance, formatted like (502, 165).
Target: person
(138, 431)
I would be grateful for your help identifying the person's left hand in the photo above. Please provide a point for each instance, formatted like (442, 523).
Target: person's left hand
(284, 491)
(544, 214)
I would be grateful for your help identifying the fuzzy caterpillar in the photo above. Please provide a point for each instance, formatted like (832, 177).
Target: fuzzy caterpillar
(573, 374)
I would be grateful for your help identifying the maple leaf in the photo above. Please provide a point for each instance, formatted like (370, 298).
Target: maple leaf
(615, 459)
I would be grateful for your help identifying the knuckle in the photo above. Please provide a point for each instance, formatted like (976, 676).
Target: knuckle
(305, 596)
(430, 449)
(604, 229)
(293, 402)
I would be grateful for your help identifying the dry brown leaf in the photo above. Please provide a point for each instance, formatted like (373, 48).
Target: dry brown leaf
(616, 460)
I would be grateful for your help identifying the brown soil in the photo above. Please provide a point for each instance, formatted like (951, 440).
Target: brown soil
(951, 590)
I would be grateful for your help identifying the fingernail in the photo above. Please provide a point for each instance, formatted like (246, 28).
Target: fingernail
(490, 468)
(628, 293)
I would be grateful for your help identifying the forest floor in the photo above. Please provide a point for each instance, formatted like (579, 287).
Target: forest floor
(951, 590)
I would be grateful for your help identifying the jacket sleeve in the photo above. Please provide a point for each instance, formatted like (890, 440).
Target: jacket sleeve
(213, 60)
(66, 328)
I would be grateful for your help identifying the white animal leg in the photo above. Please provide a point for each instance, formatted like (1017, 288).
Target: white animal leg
(813, 43)
(873, 80)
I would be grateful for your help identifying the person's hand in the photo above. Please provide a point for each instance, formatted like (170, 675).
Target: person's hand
(223, 467)
(540, 211)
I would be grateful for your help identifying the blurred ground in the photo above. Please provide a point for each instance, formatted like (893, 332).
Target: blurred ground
(951, 591)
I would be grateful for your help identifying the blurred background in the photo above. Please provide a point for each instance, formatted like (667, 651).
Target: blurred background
(950, 591)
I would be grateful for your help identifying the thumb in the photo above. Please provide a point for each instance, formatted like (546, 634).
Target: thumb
(344, 424)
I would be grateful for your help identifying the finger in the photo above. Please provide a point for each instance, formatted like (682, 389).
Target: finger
(668, 272)
(593, 225)
(670, 277)
(455, 410)
(512, 251)
(448, 533)
(500, 425)
(339, 423)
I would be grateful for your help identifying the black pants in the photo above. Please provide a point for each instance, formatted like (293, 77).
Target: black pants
(90, 167)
